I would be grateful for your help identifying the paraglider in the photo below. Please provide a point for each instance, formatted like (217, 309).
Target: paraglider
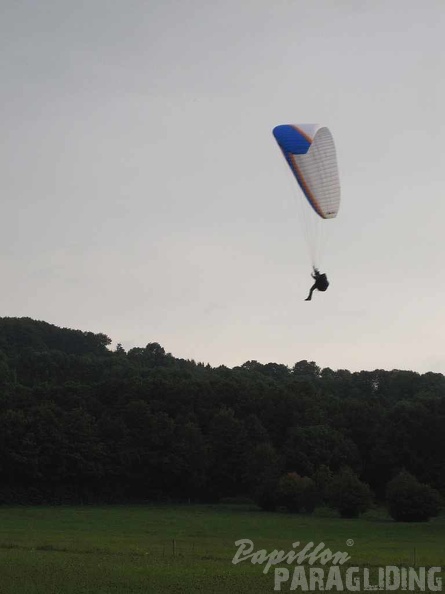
(310, 153)
(321, 283)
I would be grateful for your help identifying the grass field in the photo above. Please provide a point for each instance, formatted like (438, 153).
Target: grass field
(187, 549)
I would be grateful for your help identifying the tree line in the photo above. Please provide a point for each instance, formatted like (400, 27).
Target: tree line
(80, 422)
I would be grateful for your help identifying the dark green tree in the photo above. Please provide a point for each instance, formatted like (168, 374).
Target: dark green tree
(409, 500)
(307, 448)
(226, 455)
(347, 494)
(297, 493)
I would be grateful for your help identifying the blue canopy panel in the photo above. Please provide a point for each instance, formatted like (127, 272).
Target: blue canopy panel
(292, 139)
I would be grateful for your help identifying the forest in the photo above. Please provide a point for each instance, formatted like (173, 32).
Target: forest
(80, 422)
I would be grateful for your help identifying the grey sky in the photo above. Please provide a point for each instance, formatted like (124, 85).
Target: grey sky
(144, 196)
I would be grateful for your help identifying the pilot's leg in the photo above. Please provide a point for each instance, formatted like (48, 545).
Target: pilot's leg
(309, 297)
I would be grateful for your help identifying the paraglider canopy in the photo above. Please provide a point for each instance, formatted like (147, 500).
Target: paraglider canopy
(310, 153)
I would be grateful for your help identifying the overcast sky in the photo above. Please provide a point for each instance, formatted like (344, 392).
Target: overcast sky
(144, 196)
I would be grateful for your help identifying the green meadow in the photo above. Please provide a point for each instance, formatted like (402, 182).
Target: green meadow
(188, 549)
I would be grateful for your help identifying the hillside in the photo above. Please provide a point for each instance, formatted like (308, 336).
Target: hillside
(79, 422)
